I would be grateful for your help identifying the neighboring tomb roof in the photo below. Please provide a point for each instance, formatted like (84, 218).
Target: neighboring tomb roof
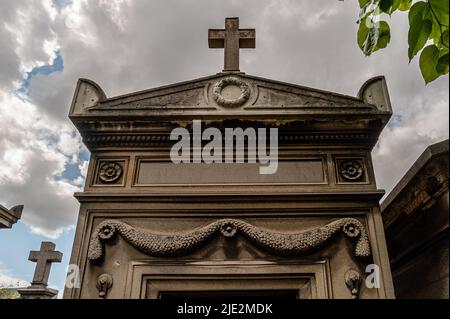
(8, 217)
(425, 181)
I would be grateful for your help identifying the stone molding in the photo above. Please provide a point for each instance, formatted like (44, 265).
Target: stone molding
(139, 140)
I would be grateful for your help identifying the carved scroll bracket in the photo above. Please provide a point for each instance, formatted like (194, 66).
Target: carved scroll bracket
(284, 244)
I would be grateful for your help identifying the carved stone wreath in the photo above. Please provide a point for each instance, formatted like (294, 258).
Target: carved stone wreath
(110, 172)
(218, 87)
(171, 245)
(351, 169)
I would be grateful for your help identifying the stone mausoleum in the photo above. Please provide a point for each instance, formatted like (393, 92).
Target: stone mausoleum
(149, 228)
(416, 218)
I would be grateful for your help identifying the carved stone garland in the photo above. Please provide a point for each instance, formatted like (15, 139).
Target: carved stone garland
(218, 87)
(171, 245)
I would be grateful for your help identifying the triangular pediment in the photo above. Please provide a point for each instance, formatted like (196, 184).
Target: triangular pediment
(229, 94)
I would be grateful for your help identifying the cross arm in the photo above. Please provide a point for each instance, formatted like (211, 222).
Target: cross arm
(53, 256)
(216, 38)
(34, 255)
(247, 38)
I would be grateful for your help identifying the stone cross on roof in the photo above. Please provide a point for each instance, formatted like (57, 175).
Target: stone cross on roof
(231, 39)
(44, 259)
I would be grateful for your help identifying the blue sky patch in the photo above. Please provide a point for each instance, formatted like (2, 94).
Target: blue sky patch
(56, 66)
(395, 120)
(72, 170)
(16, 263)
(60, 4)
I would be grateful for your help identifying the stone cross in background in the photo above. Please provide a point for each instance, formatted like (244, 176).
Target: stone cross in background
(44, 259)
(231, 39)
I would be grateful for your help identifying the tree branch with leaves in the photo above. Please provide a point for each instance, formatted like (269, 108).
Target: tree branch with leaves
(428, 25)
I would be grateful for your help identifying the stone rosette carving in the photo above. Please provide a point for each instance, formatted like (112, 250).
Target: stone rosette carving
(228, 229)
(351, 170)
(172, 245)
(110, 172)
(219, 86)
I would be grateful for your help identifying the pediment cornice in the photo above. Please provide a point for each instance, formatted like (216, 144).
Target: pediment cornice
(201, 96)
(231, 96)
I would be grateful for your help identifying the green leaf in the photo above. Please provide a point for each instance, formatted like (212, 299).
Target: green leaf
(442, 65)
(370, 7)
(367, 10)
(368, 37)
(373, 36)
(362, 3)
(370, 45)
(435, 30)
(440, 9)
(419, 31)
(394, 6)
(384, 36)
(405, 5)
(428, 62)
(444, 38)
(363, 36)
(420, 8)
(363, 31)
(385, 5)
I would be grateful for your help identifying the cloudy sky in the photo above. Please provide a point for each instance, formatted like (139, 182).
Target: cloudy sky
(126, 46)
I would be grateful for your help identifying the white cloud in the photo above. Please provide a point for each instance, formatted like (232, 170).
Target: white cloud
(401, 145)
(116, 10)
(31, 25)
(34, 151)
(8, 281)
(83, 168)
(12, 282)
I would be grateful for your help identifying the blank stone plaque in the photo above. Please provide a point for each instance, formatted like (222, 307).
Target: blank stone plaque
(307, 172)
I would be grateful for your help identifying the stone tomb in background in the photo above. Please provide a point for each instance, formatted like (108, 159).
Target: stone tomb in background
(148, 228)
